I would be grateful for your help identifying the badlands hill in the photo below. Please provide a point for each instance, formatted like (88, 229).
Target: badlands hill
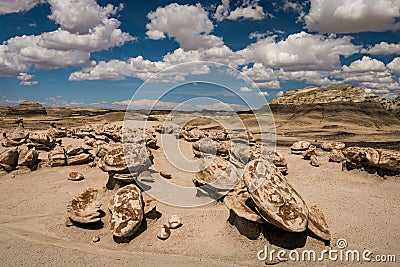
(333, 105)
(341, 112)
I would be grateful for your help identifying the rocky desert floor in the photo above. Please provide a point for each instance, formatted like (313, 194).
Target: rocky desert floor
(360, 207)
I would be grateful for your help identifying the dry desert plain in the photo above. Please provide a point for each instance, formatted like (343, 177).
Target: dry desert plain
(360, 207)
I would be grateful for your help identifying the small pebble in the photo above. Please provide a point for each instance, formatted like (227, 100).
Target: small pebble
(164, 232)
(68, 222)
(174, 221)
(75, 176)
(95, 239)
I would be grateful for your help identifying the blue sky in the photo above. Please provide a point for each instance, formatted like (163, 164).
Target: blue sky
(98, 53)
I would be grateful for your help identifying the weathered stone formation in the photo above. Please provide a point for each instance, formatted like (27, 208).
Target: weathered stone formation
(262, 152)
(191, 133)
(221, 135)
(237, 199)
(370, 158)
(300, 147)
(57, 157)
(317, 223)
(126, 206)
(57, 132)
(209, 146)
(275, 199)
(15, 138)
(241, 154)
(41, 141)
(336, 155)
(78, 155)
(309, 152)
(84, 208)
(264, 195)
(316, 95)
(27, 108)
(113, 160)
(150, 139)
(28, 157)
(216, 173)
(328, 146)
(9, 159)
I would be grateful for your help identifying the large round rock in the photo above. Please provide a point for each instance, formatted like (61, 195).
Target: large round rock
(126, 206)
(274, 198)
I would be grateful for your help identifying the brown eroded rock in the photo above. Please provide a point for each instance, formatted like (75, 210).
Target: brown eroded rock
(113, 160)
(274, 198)
(57, 157)
(362, 156)
(221, 135)
(9, 159)
(84, 207)
(75, 176)
(236, 201)
(16, 137)
(309, 152)
(389, 160)
(209, 146)
(71, 150)
(149, 203)
(217, 173)
(299, 147)
(241, 154)
(79, 159)
(126, 206)
(336, 155)
(192, 134)
(328, 146)
(28, 157)
(317, 223)
(263, 152)
(43, 141)
(314, 161)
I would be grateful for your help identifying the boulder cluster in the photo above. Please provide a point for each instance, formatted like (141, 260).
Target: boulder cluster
(381, 161)
(251, 178)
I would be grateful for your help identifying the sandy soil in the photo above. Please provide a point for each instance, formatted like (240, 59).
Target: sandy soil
(359, 207)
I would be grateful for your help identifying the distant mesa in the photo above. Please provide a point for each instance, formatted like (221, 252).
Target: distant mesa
(343, 103)
(27, 108)
(316, 95)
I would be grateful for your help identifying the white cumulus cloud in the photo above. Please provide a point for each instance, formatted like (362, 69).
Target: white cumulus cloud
(189, 25)
(14, 6)
(322, 53)
(394, 65)
(383, 48)
(349, 16)
(70, 45)
(250, 9)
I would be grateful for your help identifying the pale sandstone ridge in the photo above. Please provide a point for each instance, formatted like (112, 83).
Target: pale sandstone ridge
(316, 95)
